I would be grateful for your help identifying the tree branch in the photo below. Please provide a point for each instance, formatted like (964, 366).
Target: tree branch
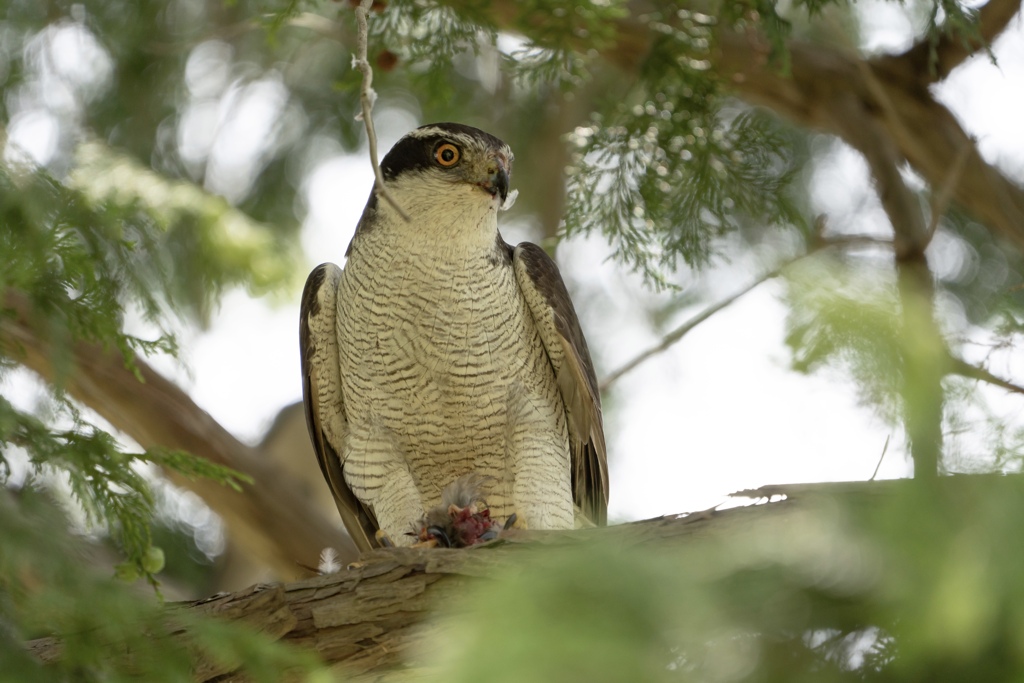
(965, 369)
(922, 346)
(928, 135)
(678, 333)
(816, 93)
(271, 518)
(367, 619)
(916, 63)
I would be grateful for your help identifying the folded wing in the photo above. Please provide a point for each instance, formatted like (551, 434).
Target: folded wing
(555, 317)
(323, 399)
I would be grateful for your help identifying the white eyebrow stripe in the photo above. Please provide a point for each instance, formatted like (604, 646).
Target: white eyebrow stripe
(464, 139)
(433, 131)
(427, 132)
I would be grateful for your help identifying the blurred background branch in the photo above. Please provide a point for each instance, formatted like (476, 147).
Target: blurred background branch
(271, 517)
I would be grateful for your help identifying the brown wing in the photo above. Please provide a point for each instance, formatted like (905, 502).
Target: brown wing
(552, 310)
(323, 399)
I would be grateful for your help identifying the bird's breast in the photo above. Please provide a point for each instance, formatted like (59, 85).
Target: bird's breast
(440, 351)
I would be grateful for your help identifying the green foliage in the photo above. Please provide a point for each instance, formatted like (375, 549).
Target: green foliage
(107, 633)
(427, 38)
(953, 21)
(978, 437)
(87, 253)
(78, 269)
(763, 15)
(983, 273)
(885, 581)
(106, 482)
(847, 318)
(675, 165)
(661, 181)
(93, 244)
(198, 245)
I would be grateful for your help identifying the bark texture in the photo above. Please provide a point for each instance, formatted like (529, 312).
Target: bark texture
(368, 619)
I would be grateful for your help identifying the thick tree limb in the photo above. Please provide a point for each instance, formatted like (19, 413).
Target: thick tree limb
(923, 131)
(271, 518)
(368, 619)
(916, 65)
(817, 94)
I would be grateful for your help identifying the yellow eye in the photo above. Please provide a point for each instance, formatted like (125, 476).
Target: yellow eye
(447, 155)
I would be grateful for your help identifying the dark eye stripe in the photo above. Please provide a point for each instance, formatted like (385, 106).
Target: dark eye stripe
(416, 151)
(411, 154)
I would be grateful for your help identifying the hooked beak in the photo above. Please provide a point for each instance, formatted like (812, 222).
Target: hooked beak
(497, 177)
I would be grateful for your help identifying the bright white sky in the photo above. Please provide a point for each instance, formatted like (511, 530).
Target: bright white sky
(718, 413)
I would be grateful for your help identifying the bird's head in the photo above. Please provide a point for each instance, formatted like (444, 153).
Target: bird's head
(451, 180)
(448, 162)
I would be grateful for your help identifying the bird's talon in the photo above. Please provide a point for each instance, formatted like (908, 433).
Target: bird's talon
(511, 521)
(383, 539)
(439, 536)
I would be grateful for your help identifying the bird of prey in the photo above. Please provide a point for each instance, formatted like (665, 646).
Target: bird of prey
(441, 351)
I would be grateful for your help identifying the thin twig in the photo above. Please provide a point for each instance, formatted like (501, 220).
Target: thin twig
(885, 449)
(965, 369)
(367, 96)
(675, 335)
(678, 333)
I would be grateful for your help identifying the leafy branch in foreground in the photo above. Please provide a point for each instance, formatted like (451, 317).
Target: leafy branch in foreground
(107, 483)
(84, 257)
(107, 633)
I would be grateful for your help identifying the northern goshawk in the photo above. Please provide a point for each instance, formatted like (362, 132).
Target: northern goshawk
(441, 352)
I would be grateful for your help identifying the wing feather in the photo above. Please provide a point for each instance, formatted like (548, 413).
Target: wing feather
(563, 339)
(323, 399)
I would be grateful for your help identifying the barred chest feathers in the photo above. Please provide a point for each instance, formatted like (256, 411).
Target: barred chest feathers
(442, 363)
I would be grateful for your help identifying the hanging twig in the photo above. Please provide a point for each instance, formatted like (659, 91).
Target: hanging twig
(885, 449)
(675, 335)
(367, 96)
